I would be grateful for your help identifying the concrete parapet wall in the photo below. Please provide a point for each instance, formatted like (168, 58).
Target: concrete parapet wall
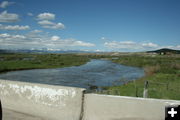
(46, 101)
(69, 103)
(107, 107)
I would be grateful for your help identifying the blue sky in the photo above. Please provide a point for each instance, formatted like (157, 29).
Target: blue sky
(98, 25)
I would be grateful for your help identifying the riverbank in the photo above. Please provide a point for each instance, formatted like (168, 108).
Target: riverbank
(162, 73)
(13, 62)
(94, 73)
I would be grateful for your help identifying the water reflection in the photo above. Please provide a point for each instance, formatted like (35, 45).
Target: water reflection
(95, 72)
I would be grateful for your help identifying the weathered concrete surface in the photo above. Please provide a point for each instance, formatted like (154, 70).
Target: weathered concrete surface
(28, 101)
(13, 115)
(107, 107)
(47, 101)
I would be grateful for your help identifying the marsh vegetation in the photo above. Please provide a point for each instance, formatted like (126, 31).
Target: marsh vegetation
(12, 62)
(162, 73)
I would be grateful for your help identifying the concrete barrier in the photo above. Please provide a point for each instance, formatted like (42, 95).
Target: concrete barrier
(68, 103)
(46, 101)
(107, 107)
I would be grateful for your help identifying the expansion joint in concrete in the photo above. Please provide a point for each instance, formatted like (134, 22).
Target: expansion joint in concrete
(82, 105)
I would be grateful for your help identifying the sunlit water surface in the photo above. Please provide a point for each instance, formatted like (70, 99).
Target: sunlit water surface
(95, 72)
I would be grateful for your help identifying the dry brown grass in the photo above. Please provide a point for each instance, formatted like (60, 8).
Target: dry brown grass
(150, 70)
(175, 66)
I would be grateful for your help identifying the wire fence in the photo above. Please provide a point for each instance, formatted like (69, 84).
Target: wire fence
(150, 89)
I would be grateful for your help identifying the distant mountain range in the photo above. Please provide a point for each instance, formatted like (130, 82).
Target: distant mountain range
(165, 50)
(44, 51)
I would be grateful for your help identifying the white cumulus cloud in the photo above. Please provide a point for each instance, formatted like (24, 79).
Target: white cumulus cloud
(104, 39)
(151, 45)
(45, 22)
(30, 14)
(70, 42)
(55, 26)
(38, 41)
(4, 35)
(51, 25)
(8, 17)
(36, 31)
(9, 36)
(176, 47)
(81, 43)
(55, 38)
(14, 27)
(136, 46)
(121, 45)
(5, 4)
(131, 45)
(46, 16)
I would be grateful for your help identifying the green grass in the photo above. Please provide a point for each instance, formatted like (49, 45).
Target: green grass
(162, 73)
(11, 62)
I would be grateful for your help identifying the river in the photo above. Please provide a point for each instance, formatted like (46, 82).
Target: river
(95, 72)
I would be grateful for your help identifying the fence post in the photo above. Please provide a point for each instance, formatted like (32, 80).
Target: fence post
(136, 89)
(136, 92)
(145, 92)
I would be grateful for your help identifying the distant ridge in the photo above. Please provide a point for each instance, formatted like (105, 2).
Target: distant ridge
(44, 51)
(165, 50)
(5, 51)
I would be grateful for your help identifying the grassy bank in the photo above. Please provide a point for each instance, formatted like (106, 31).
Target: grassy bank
(162, 73)
(12, 62)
